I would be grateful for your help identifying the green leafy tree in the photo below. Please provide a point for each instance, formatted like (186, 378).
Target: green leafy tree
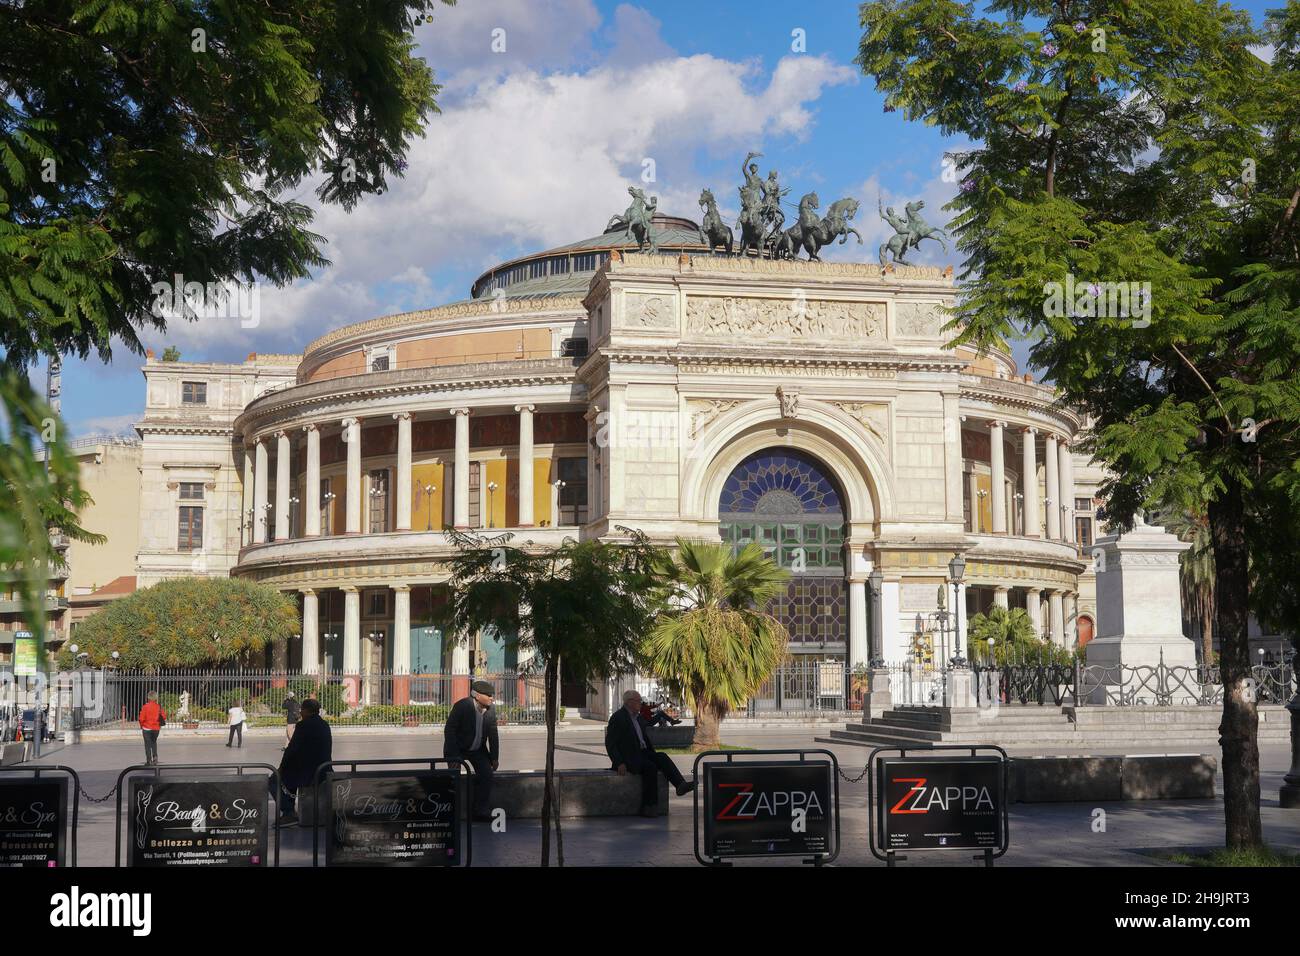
(1015, 639)
(188, 622)
(714, 640)
(171, 354)
(141, 140)
(583, 607)
(1139, 143)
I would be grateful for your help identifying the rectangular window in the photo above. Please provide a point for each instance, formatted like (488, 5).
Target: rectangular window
(191, 491)
(326, 508)
(379, 501)
(475, 512)
(194, 393)
(573, 348)
(573, 491)
(1083, 532)
(379, 363)
(190, 534)
(1082, 504)
(377, 603)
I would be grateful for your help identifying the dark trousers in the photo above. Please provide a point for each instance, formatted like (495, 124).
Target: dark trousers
(649, 764)
(150, 745)
(482, 764)
(286, 799)
(660, 719)
(236, 729)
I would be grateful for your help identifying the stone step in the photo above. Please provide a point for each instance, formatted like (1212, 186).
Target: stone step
(855, 731)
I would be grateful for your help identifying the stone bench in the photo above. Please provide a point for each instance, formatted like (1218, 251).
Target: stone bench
(581, 793)
(672, 738)
(1112, 778)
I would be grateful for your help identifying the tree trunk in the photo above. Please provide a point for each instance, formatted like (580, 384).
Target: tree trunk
(1207, 627)
(548, 789)
(708, 721)
(1238, 733)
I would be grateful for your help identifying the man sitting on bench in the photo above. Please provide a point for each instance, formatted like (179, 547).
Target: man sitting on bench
(627, 741)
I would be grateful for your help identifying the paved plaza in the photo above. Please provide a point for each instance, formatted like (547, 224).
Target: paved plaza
(1041, 834)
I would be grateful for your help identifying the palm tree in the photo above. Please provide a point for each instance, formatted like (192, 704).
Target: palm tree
(716, 642)
(1196, 573)
(1014, 637)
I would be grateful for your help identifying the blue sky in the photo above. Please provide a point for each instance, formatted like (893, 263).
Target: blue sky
(537, 143)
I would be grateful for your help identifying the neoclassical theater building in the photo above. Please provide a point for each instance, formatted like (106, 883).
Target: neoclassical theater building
(812, 407)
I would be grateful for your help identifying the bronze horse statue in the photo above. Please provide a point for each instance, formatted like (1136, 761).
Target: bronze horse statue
(812, 234)
(714, 231)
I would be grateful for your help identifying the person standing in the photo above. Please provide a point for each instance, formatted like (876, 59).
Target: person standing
(152, 720)
(627, 741)
(237, 718)
(471, 735)
(311, 746)
(292, 709)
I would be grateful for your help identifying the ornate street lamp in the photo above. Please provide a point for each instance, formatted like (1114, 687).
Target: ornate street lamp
(956, 569)
(875, 582)
(427, 491)
(492, 486)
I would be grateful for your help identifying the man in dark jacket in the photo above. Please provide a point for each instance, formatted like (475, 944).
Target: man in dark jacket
(471, 735)
(310, 746)
(627, 741)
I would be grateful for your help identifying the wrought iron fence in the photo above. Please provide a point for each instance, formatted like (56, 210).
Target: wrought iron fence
(801, 687)
(378, 699)
(1126, 685)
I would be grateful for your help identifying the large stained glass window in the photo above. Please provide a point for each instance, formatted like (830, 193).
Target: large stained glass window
(786, 503)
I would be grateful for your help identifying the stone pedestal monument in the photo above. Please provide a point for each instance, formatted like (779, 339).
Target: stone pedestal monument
(1139, 612)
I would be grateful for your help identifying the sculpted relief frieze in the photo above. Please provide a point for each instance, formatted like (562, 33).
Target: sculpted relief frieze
(650, 311)
(873, 416)
(917, 320)
(753, 320)
(705, 411)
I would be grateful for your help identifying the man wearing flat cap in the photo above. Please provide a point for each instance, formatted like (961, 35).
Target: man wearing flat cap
(471, 735)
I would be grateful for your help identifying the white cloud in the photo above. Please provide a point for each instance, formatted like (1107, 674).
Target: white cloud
(527, 161)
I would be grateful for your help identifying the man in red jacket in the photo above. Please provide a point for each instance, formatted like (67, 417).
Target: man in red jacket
(152, 719)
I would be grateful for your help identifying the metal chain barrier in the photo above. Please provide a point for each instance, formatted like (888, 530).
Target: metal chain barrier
(858, 779)
(90, 799)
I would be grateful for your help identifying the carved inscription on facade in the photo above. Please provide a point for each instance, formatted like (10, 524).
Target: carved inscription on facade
(749, 320)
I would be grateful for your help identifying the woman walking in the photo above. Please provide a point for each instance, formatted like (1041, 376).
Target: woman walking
(237, 719)
(152, 720)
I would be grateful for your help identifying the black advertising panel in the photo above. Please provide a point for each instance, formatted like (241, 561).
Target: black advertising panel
(393, 818)
(750, 808)
(216, 821)
(941, 803)
(34, 822)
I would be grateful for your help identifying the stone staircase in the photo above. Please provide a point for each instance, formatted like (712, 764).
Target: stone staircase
(1016, 725)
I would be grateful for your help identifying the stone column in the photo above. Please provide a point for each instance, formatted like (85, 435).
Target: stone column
(247, 520)
(1067, 492)
(403, 476)
(283, 485)
(260, 495)
(310, 631)
(351, 631)
(1052, 500)
(1034, 611)
(311, 494)
(460, 472)
(1071, 612)
(1009, 496)
(960, 611)
(1029, 485)
(402, 628)
(460, 669)
(1000, 597)
(525, 465)
(352, 438)
(1055, 623)
(997, 487)
(859, 652)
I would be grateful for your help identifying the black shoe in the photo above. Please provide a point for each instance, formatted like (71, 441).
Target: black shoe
(684, 788)
(227, 745)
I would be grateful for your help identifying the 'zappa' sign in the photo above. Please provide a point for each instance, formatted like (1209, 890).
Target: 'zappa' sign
(778, 808)
(941, 803)
(220, 821)
(33, 822)
(393, 818)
